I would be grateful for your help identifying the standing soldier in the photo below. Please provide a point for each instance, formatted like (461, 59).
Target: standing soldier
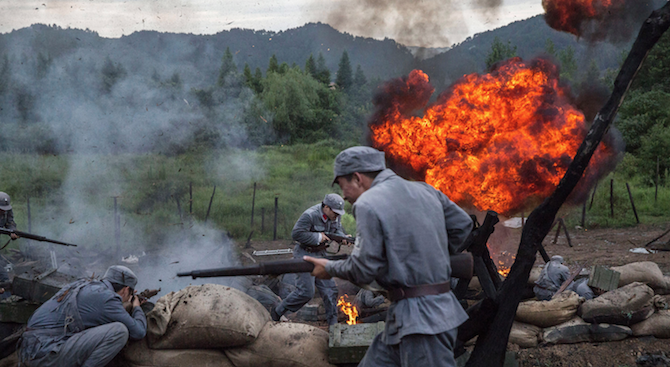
(310, 235)
(6, 221)
(405, 233)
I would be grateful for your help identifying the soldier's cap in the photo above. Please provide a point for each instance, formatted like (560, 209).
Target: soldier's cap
(557, 258)
(5, 201)
(120, 274)
(358, 159)
(335, 203)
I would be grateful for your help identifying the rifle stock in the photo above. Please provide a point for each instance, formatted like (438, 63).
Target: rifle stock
(461, 267)
(35, 237)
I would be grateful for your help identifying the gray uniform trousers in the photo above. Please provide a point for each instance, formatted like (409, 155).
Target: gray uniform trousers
(413, 350)
(94, 347)
(305, 284)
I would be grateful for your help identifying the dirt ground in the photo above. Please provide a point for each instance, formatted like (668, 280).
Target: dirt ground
(609, 247)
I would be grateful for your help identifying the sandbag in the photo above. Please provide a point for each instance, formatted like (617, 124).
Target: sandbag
(578, 331)
(657, 325)
(524, 335)
(534, 274)
(284, 344)
(646, 272)
(203, 317)
(549, 313)
(138, 354)
(627, 305)
(11, 360)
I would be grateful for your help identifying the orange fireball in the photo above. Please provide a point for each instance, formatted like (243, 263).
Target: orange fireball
(498, 141)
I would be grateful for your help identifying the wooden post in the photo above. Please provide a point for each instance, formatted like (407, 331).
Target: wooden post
(181, 219)
(274, 235)
(632, 203)
(593, 195)
(658, 178)
(117, 230)
(210, 204)
(612, 198)
(262, 220)
(30, 225)
(190, 198)
(523, 219)
(253, 203)
(558, 230)
(584, 214)
(565, 229)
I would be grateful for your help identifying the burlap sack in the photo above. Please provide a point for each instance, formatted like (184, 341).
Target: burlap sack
(524, 335)
(284, 344)
(623, 306)
(11, 360)
(549, 313)
(578, 331)
(138, 354)
(206, 316)
(534, 274)
(657, 325)
(646, 272)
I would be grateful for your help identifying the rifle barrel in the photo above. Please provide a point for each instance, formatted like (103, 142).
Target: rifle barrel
(263, 268)
(35, 237)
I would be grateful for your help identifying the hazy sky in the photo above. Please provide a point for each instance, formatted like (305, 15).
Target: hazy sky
(455, 19)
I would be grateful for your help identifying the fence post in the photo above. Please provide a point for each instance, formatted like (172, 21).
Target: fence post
(262, 220)
(253, 204)
(210, 204)
(274, 235)
(632, 203)
(117, 229)
(612, 198)
(658, 178)
(30, 225)
(190, 199)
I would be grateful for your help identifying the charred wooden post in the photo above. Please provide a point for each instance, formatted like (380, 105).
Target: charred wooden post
(612, 198)
(565, 230)
(593, 195)
(484, 267)
(253, 204)
(632, 203)
(210, 204)
(493, 336)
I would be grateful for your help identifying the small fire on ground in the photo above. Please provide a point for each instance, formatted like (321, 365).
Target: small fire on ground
(349, 309)
(504, 261)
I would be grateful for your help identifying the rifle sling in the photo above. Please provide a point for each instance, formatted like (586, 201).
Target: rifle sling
(396, 294)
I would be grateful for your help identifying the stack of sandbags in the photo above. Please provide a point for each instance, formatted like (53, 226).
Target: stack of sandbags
(217, 326)
(657, 325)
(549, 313)
(524, 335)
(578, 331)
(646, 272)
(627, 305)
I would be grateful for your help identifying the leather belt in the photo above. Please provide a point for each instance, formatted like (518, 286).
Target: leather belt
(396, 294)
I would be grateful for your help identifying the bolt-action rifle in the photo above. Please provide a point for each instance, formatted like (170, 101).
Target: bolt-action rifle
(461, 267)
(29, 236)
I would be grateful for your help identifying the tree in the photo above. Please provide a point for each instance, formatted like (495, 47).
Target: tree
(344, 78)
(111, 74)
(310, 66)
(550, 48)
(654, 73)
(359, 78)
(248, 77)
(5, 75)
(283, 68)
(228, 67)
(258, 80)
(273, 65)
(499, 52)
(322, 71)
(568, 63)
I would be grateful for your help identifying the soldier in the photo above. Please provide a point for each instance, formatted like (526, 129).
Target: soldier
(405, 233)
(85, 323)
(6, 221)
(310, 235)
(551, 278)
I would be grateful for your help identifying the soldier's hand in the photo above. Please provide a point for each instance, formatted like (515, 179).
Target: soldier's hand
(13, 236)
(348, 241)
(2, 290)
(319, 267)
(324, 238)
(136, 301)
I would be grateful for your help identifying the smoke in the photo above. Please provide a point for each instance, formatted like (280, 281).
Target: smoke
(414, 23)
(615, 21)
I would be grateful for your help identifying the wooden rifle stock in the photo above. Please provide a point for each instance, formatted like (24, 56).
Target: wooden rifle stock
(461, 267)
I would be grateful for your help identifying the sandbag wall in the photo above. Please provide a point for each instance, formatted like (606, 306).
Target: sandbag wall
(636, 308)
(217, 326)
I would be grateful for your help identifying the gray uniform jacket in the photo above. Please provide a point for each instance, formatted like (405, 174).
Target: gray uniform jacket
(7, 220)
(405, 233)
(311, 222)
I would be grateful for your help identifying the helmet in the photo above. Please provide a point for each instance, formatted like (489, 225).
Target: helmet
(5, 201)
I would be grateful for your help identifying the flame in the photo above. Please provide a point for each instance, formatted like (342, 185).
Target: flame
(349, 309)
(504, 261)
(498, 141)
(568, 15)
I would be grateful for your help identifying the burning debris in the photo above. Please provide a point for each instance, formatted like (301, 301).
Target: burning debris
(499, 141)
(348, 309)
(597, 20)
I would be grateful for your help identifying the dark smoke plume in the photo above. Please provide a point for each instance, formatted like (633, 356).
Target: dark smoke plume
(413, 23)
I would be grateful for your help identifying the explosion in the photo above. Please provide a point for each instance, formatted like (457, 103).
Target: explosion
(498, 141)
(597, 20)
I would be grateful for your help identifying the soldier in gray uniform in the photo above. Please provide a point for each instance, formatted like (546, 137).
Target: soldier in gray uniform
(310, 235)
(405, 233)
(6, 221)
(551, 278)
(85, 323)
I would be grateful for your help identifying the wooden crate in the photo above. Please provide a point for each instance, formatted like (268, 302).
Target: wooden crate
(604, 278)
(348, 343)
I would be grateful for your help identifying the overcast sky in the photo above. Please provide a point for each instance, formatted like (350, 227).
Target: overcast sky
(449, 20)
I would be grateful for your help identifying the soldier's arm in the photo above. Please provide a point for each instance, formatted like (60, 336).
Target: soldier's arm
(301, 231)
(10, 220)
(114, 311)
(367, 260)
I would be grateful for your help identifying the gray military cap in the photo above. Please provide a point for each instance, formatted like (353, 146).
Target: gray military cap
(557, 258)
(121, 275)
(5, 201)
(358, 159)
(335, 202)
